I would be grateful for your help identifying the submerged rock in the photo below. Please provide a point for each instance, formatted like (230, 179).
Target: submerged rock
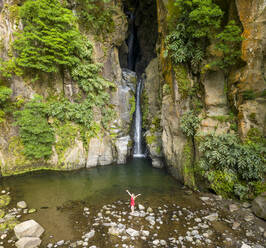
(28, 242)
(29, 228)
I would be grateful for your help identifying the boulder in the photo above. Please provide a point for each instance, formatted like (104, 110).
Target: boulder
(29, 228)
(259, 206)
(122, 149)
(28, 242)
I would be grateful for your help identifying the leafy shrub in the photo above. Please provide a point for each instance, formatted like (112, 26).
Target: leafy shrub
(226, 153)
(199, 22)
(49, 38)
(189, 123)
(36, 134)
(222, 181)
(196, 22)
(5, 94)
(94, 17)
(229, 43)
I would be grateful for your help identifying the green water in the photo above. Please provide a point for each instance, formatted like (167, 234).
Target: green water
(59, 197)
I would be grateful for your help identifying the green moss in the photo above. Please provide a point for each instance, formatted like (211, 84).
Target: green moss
(132, 103)
(254, 135)
(248, 95)
(3, 226)
(172, 15)
(66, 134)
(252, 117)
(2, 213)
(188, 168)
(183, 82)
(145, 109)
(4, 200)
(150, 139)
(258, 187)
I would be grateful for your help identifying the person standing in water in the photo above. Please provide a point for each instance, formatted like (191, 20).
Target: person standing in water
(132, 200)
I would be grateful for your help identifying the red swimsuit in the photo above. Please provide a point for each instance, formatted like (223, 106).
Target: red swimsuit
(132, 201)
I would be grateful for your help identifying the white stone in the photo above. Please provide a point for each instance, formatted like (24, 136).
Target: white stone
(29, 228)
(141, 207)
(156, 242)
(132, 232)
(28, 242)
(245, 246)
(146, 233)
(90, 234)
(22, 204)
(212, 217)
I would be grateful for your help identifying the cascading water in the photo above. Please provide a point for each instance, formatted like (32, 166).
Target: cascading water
(138, 123)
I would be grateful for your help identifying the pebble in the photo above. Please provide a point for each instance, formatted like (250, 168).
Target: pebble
(249, 217)
(245, 246)
(235, 226)
(61, 242)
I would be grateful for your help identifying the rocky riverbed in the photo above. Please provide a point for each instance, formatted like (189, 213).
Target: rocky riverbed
(207, 221)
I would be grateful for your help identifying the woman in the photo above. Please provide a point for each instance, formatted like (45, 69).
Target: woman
(132, 200)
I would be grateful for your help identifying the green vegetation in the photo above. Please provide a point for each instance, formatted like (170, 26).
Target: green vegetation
(198, 22)
(189, 123)
(36, 134)
(5, 94)
(94, 17)
(49, 40)
(229, 42)
(230, 166)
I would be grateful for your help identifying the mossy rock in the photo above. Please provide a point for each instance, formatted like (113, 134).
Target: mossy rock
(4, 200)
(2, 213)
(3, 227)
(12, 223)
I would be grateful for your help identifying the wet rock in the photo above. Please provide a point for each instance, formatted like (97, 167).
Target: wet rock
(235, 226)
(149, 210)
(90, 234)
(114, 231)
(156, 242)
(32, 210)
(249, 217)
(22, 204)
(245, 246)
(141, 207)
(28, 242)
(212, 217)
(28, 228)
(145, 233)
(2, 213)
(259, 206)
(246, 205)
(61, 242)
(132, 232)
(233, 207)
(188, 192)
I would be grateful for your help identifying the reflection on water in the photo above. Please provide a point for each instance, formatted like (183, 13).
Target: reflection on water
(48, 192)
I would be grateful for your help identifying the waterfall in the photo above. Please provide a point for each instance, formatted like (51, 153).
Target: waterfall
(131, 59)
(138, 123)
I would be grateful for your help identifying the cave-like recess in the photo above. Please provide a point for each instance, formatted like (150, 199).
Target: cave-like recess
(146, 30)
